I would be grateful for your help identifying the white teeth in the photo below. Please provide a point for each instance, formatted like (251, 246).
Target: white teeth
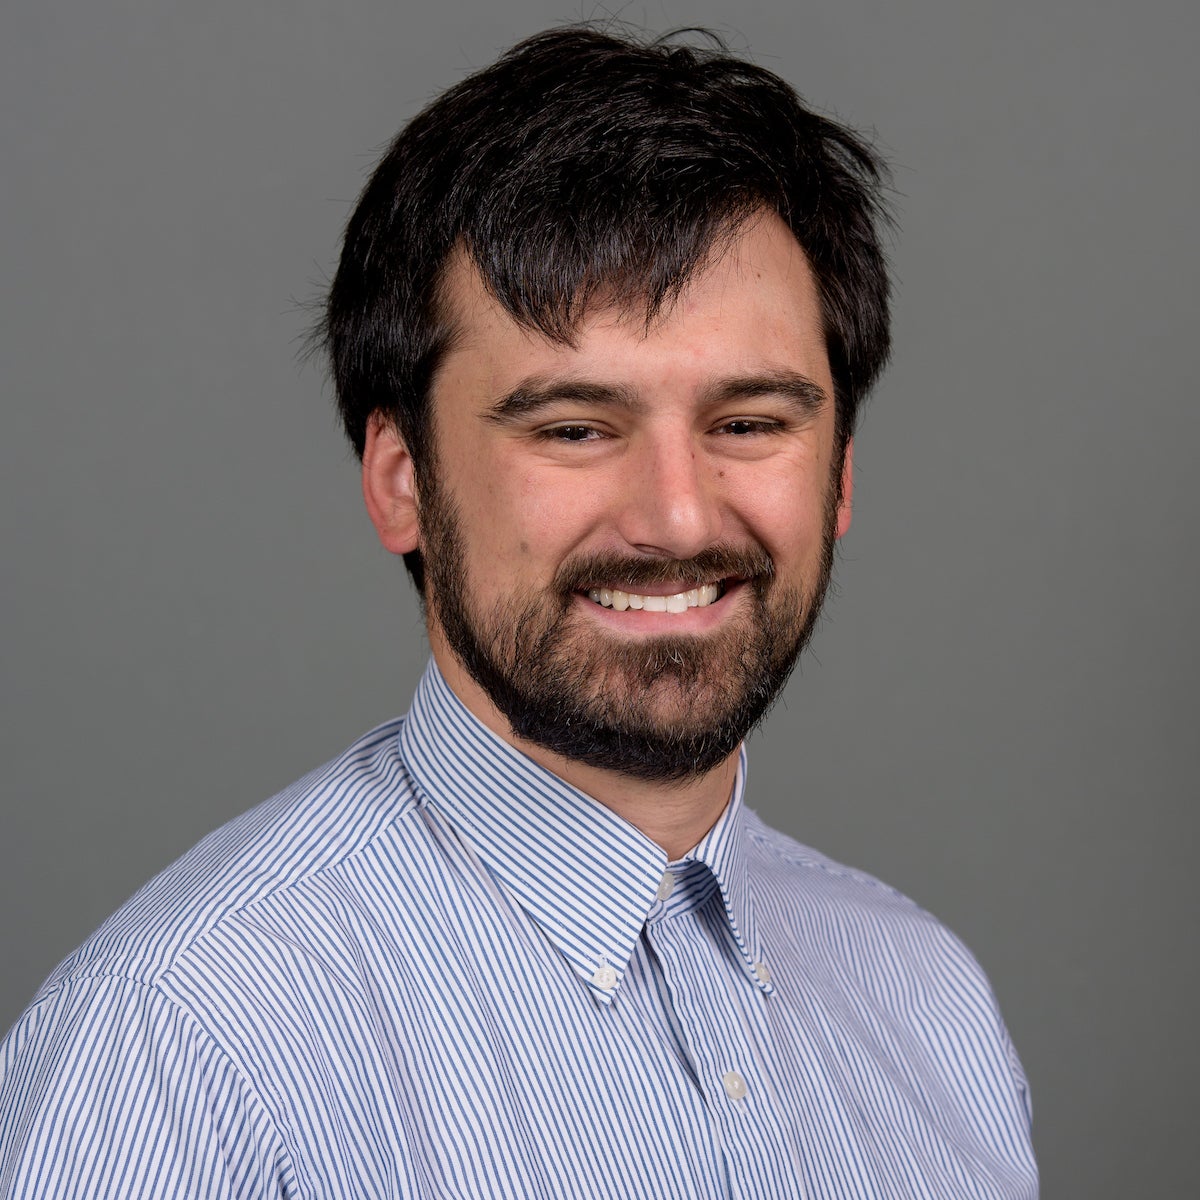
(699, 597)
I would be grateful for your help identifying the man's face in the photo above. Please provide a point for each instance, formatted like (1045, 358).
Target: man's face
(626, 541)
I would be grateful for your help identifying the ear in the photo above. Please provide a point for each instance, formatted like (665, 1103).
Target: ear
(389, 487)
(846, 502)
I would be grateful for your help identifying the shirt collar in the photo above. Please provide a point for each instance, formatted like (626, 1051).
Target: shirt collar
(722, 852)
(587, 877)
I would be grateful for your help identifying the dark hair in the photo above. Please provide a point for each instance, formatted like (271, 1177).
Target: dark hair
(583, 166)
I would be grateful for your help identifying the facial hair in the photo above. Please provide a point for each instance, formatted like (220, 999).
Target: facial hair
(665, 709)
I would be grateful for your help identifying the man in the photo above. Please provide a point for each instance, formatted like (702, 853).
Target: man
(602, 323)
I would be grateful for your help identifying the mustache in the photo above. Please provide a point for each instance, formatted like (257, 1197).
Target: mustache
(714, 563)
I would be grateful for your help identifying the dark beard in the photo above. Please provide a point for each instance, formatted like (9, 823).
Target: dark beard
(596, 701)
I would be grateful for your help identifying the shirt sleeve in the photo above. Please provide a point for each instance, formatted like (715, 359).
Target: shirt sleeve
(108, 1089)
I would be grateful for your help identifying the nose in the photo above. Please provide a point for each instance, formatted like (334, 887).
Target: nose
(670, 503)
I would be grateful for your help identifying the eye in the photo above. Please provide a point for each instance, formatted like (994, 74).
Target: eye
(569, 433)
(745, 426)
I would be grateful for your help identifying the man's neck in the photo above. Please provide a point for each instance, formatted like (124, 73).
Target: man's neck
(675, 816)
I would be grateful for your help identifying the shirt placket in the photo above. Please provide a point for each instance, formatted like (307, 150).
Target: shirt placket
(719, 1017)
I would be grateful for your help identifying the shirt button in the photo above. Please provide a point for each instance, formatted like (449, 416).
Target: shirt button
(735, 1085)
(761, 973)
(605, 978)
(666, 885)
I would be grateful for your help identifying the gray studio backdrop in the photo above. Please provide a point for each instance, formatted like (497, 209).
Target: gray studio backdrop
(999, 713)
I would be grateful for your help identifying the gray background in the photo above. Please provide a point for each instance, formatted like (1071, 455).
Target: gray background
(999, 713)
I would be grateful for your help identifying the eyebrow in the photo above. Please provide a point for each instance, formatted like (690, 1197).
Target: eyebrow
(532, 395)
(535, 394)
(807, 396)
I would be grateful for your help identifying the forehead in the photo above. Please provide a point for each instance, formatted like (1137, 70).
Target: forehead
(754, 304)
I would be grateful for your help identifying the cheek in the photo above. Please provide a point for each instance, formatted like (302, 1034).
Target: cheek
(787, 514)
(524, 518)
(555, 508)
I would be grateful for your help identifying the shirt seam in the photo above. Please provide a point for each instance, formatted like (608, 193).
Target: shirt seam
(156, 990)
(184, 952)
(817, 862)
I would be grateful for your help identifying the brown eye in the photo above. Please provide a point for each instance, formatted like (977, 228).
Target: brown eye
(745, 426)
(569, 433)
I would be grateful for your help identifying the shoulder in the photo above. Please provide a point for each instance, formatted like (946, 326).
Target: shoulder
(801, 871)
(871, 956)
(154, 1028)
(853, 922)
(324, 819)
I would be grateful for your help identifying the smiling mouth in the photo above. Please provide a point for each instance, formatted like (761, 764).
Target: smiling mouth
(700, 597)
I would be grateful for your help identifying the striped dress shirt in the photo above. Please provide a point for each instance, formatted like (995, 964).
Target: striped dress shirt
(433, 969)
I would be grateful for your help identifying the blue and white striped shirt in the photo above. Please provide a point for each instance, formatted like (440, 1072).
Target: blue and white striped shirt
(433, 969)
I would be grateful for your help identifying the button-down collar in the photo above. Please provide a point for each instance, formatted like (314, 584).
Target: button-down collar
(719, 860)
(588, 878)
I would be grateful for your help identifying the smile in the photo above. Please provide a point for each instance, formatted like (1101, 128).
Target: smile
(700, 597)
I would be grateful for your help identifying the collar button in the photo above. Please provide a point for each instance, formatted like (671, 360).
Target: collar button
(604, 977)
